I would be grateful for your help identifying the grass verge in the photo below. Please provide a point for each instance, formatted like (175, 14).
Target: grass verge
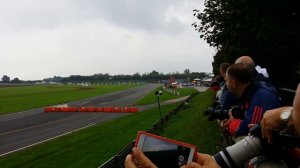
(13, 99)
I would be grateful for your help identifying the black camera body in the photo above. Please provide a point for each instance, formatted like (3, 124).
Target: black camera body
(253, 145)
(221, 114)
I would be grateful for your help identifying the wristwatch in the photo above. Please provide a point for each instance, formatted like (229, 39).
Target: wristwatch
(285, 115)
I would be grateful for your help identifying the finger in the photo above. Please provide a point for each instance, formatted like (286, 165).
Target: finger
(201, 158)
(266, 130)
(142, 159)
(224, 122)
(191, 165)
(263, 128)
(129, 163)
(250, 125)
(269, 135)
(230, 114)
(227, 122)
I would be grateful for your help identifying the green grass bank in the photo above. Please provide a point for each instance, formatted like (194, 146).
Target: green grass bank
(192, 126)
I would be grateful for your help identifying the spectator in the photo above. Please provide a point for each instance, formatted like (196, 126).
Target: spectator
(255, 99)
(226, 98)
(219, 81)
(272, 119)
(259, 74)
(215, 85)
(283, 118)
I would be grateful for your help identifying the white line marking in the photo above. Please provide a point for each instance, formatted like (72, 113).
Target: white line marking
(60, 105)
(48, 123)
(83, 103)
(103, 103)
(46, 140)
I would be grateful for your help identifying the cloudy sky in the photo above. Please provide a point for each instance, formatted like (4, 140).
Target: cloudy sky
(40, 39)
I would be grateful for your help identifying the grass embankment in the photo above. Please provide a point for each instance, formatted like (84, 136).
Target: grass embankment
(192, 126)
(93, 146)
(13, 99)
(151, 98)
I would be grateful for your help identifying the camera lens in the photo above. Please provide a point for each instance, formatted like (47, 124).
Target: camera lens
(218, 114)
(237, 154)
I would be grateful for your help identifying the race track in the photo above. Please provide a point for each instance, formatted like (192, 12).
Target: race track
(24, 129)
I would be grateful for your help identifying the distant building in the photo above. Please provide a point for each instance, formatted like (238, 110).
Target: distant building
(197, 82)
(208, 80)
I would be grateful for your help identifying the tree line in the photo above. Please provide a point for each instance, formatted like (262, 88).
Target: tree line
(266, 30)
(153, 76)
(6, 79)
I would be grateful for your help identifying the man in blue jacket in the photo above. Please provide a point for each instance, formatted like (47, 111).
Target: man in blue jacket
(255, 98)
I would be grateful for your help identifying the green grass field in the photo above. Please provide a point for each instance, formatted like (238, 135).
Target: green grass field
(93, 146)
(151, 98)
(14, 99)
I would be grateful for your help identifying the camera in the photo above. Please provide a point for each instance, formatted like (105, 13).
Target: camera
(253, 145)
(221, 114)
(237, 154)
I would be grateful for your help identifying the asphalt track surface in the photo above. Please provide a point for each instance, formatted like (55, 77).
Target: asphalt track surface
(24, 129)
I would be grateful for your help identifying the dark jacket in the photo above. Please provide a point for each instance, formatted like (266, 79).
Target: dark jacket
(256, 99)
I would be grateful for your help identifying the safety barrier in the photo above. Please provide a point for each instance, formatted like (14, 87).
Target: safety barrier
(92, 109)
(287, 95)
(118, 160)
(171, 91)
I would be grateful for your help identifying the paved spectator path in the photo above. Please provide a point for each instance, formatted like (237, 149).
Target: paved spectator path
(201, 88)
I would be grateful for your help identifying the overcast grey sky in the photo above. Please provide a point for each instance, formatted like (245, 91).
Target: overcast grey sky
(40, 39)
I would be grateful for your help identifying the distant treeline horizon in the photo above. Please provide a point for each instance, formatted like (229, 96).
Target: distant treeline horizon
(187, 76)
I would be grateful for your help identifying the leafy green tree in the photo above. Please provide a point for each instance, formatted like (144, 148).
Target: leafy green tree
(264, 29)
(137, 76)
(5, 79)
(16, 80)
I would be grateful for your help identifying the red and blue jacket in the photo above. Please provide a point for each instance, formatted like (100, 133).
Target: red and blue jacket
(255, 100)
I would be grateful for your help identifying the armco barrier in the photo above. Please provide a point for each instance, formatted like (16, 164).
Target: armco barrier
(118, 160)
(287, 96)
